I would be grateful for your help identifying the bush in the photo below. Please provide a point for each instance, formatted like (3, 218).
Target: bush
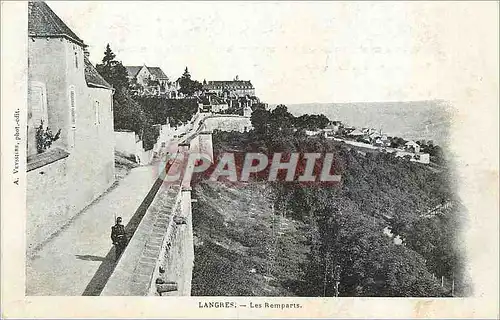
(159, 110)
(45, 137)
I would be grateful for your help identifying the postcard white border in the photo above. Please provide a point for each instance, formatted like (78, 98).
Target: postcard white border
(475, 136)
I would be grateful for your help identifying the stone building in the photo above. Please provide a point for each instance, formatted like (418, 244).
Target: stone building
(230, 89)
(66, 94)
(143, 74)
(151, 80)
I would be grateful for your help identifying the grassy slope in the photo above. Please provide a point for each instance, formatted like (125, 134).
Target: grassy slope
(235, 251)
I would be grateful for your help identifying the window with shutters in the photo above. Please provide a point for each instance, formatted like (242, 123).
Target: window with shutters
(96, 111)
(37, 108)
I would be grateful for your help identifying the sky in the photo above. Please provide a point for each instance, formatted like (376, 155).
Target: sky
(295, 52)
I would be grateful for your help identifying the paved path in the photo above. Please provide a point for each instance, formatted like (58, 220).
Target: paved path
(69, 264)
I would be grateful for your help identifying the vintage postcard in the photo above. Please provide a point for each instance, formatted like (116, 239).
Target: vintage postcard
(250, 159)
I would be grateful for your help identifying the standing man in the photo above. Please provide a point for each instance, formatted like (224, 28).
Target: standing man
(118, 237)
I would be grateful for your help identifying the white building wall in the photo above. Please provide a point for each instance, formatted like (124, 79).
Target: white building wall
(125, 142)
(47, 206)
(227, 123)
(67, 186)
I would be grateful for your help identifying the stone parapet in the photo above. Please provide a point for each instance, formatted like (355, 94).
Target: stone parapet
(134, 271)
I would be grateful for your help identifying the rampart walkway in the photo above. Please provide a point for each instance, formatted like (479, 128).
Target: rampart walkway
(79, 259)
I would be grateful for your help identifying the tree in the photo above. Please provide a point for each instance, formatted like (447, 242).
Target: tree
(186, 74)
(260, 119)
(127, 113)
(436, 152)
(370, 264)
(397, 142)
(112, 70)
(311, 122)
(188, 86)
(281, 119)
(160, 110)
(109, 56)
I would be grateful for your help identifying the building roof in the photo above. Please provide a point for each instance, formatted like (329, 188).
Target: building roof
(93, 78)
(43, 22)
(133, 70)
(356, 132)
(233, 84)
(158, 72)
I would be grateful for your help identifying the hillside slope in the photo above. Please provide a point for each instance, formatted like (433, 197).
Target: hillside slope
(241, 248)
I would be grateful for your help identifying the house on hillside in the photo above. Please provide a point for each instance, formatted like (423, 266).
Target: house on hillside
(212, 103)
(374, 136)
(331, 129)
(413, 157)
(381, 141)
(412, 146)
(356, 133)
(217, 104)
(68, 96)
(151, 81)
(143, 74)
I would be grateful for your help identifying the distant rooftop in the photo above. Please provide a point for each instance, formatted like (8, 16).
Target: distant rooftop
(231, 84)
(133, 70)
(43, 22)
(156, 71)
